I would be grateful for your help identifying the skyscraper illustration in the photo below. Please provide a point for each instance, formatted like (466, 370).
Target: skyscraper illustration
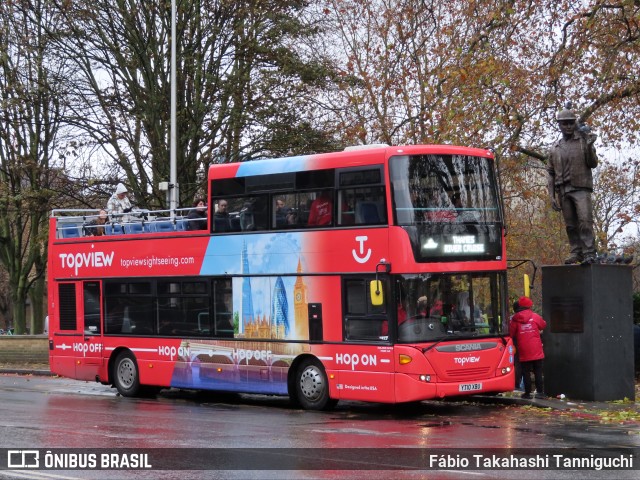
(247, 299)
(280, 310)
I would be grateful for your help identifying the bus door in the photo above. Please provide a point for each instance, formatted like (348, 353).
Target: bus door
(366, 357)
(75, 337)
(89, 350)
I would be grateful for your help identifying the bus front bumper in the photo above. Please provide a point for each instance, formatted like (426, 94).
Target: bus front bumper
(410, 388)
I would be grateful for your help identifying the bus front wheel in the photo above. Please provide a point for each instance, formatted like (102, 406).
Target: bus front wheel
(126, 376)
(312, 387)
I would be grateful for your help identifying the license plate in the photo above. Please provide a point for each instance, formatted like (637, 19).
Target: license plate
(469, 387)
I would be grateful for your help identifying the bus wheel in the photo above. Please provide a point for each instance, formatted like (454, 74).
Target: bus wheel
(126, 377)
(312, 387)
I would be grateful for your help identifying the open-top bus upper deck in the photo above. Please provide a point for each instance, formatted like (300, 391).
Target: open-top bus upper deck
(444, 199)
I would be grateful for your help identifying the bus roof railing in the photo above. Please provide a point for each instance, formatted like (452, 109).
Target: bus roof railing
(75, 223)
(94, 212)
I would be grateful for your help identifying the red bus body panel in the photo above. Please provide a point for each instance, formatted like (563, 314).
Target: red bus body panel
(367, 372)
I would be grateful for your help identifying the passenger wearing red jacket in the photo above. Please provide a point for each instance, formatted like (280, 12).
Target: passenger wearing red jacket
(525, 328)
(321, 210)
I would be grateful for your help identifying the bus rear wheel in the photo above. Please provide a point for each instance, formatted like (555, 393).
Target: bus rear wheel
(312, 387)
(126, 376)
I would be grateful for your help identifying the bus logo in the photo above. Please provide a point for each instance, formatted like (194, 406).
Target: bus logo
(465, 360)
(466, 347)
(361, 259)
(90, 259)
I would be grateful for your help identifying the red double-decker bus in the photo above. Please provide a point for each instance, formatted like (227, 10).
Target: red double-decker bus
(374, 274)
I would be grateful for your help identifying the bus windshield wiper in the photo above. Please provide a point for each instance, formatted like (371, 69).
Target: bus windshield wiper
(426, 349)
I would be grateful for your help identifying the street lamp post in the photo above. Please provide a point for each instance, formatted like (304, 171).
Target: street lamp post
(173, 172)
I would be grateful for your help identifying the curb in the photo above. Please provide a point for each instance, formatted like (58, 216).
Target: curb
(27, 371)
(557, 404)
(535, 402)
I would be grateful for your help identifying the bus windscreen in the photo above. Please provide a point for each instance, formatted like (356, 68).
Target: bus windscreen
(448, 204)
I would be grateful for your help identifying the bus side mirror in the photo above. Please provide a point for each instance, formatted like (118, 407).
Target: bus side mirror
(377, 297)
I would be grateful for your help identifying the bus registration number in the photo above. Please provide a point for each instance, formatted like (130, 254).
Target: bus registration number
(469, 387)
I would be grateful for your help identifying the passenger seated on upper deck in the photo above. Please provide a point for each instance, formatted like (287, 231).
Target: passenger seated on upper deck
(321, 210)
(96, 226)
(284, 215)
(197, 218)
(247, 221)
(119, 205)
(222, 222)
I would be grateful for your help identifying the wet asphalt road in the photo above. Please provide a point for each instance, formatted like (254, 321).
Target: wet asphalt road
(51, 413)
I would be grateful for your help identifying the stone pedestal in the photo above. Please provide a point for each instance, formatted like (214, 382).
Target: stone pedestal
(588, 342)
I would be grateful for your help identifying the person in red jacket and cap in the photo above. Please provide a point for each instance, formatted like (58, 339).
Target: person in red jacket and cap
(525, 328)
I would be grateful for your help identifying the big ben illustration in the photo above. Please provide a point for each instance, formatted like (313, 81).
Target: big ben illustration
(300, 308)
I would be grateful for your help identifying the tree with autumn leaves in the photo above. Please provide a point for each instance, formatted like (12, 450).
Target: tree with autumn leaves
(493, 75)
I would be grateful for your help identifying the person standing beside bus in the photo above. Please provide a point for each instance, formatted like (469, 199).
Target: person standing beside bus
(525, 328)
(516, 358)
(119, 204)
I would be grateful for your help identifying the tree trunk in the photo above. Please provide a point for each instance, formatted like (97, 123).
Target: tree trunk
(37, 295)
(18, 298)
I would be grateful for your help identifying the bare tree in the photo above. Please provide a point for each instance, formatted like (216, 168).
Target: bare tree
(240, 85)
(32, 105)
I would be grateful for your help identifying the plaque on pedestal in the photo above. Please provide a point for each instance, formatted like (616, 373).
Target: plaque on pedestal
(588, 342)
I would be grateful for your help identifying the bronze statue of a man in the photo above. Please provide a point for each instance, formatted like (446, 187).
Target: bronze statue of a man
(571, 183)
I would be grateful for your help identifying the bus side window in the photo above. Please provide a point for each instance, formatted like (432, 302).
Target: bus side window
(91, 294)
(223, 304)
(246, 213)
(363, 206)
